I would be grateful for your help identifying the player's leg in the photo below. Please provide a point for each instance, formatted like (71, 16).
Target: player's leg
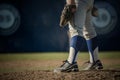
(75, 44)
(92, 43)
(71, 64)
(93, 49)
(94, 62)
(76, 31)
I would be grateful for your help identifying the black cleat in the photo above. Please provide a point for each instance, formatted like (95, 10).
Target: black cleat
(94, 66)
(67, 67)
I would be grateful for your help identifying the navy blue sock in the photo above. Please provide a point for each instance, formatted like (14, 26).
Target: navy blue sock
(92, 45)
(74, 48)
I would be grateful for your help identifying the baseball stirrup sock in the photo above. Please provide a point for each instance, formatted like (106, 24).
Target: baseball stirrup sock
(92, 45)
(74, 48)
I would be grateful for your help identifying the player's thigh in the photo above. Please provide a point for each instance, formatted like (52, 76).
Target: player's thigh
(88, 29)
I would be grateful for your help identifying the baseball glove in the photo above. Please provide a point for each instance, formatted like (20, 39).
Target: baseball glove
(67, 14)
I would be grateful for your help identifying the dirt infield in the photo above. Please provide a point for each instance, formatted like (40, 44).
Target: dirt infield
(17, 68)
(49, 75)
(43, 70)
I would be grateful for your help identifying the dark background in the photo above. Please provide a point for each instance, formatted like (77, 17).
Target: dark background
(39, 29)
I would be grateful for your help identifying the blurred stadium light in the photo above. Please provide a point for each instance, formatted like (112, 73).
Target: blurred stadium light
(33, 26)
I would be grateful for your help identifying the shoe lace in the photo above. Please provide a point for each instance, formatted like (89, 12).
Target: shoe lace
(64, 62)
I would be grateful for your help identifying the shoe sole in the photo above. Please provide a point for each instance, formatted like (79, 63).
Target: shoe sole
(100, 67)
(71, 70)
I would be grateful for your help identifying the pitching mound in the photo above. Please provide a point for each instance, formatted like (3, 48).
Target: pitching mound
(49, 75)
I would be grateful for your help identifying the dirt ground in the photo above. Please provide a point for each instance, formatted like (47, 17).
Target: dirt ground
(49, 75)
(42, 70)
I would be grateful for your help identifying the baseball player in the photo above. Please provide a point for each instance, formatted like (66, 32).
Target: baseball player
(81, 27)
